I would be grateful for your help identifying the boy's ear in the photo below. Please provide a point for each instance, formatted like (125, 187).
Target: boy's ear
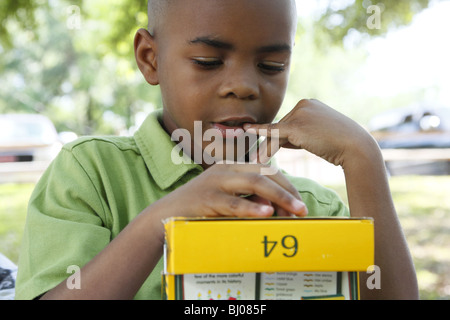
(145, 53)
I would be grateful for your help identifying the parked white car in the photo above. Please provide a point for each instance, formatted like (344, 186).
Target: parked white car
(28, 143)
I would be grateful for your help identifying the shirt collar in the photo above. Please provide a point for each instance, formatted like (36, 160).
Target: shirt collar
(155, 145)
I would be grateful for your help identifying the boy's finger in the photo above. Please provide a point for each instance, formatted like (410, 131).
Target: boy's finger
(278, 177)
(267, 188)
(284, 213)
(235, 206)
(265, 130)
(299, 206)
(273, 142)
(267, 149)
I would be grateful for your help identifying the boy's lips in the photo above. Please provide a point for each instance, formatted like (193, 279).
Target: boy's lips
(228, 131)
(232, 127)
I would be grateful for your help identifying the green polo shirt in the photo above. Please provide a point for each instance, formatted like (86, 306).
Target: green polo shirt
(95, 187)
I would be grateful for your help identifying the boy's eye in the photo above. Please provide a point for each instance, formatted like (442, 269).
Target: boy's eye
(269, 67)
(207, 63)
(272, 67)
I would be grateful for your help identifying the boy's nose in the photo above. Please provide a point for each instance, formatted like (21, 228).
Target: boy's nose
(241, 83)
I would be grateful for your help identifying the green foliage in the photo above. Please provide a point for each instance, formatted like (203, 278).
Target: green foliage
(76, 74)
(21, 11)
(122, 16)
(340, 21)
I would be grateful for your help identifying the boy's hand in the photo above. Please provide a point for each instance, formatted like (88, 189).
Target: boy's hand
(317, 128)
(221, 190)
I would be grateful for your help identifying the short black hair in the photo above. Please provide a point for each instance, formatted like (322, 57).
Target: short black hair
(156, 11)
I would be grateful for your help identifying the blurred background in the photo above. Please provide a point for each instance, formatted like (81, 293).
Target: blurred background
(67, 69)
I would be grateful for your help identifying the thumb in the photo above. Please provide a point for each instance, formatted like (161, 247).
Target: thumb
(265, 129)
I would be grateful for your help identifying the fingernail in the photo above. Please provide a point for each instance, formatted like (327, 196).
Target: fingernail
(248, 128)
(298, 205)
(265, 209)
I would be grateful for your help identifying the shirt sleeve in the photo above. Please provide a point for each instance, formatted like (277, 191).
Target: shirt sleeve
(64, 229)
(320, 201)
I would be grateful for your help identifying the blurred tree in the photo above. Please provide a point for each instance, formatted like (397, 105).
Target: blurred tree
(74, 69)
(370, 17)
(22, 11)
(73, 59)
(123, 16)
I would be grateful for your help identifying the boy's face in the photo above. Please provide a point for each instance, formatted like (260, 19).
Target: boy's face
(223, 62)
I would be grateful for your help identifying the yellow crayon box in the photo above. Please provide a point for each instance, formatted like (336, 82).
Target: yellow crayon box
(274, 258)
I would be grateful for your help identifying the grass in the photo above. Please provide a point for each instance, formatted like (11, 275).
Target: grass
(423, 206)
(13, 210)
(422, 202)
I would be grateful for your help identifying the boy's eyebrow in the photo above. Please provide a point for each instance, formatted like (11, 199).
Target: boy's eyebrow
(213, 43)
(275, 48)
(228, 46)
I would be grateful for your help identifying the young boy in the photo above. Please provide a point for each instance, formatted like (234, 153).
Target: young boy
(224, 63)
